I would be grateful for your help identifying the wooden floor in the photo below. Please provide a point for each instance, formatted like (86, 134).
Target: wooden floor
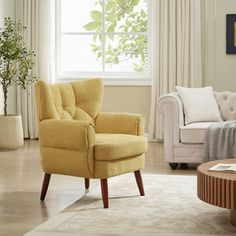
(20, 183)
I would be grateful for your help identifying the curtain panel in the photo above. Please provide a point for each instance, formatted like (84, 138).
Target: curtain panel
(38, 17)
(176, 53)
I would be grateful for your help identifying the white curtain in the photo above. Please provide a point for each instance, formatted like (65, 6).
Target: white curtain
(38, 17)
(177, 52)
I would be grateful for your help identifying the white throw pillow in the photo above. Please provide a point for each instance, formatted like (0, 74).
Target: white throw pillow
(199, 104)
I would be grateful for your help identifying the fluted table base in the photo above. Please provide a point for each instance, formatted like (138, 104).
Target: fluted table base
(218, 188)
(233, 217)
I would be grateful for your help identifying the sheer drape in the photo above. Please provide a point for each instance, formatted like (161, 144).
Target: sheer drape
(38, 17)
(177, 52)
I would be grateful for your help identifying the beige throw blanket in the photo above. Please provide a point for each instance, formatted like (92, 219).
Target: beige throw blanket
(220, 141)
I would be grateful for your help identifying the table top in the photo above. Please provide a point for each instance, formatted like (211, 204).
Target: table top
(203, 168)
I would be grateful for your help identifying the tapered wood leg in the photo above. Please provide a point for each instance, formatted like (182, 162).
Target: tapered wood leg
(86, 183)
(104, 188)
(46, 181)
(139, 181)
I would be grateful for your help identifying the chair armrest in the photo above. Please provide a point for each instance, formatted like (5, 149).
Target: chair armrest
(66, 134)
(120, 123)
(171, 106)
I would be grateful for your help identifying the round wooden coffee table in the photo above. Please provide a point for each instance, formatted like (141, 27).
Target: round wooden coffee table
(216, 188)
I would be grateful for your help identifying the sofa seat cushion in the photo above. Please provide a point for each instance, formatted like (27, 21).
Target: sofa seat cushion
(118, 146)
(194, 133)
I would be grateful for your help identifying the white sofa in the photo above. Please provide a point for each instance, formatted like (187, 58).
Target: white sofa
(184, 143)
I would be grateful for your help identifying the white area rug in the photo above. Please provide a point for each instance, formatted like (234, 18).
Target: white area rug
(170, 208)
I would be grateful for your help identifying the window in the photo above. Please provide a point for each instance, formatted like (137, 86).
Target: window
(105, 38)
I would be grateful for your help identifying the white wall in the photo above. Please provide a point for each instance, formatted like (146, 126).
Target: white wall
(220, 68)
(134, 99)
(7, 9)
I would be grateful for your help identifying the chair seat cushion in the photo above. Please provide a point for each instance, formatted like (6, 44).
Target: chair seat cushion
(194, 133)
(118, 146)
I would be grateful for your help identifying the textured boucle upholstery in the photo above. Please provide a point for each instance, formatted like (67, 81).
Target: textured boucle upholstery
(79, 100)
(120, 123)
(103, 169)
(76, 139)
(118, 146)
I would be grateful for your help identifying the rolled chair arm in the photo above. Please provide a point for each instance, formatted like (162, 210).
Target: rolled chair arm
(171, 106)
(66, 134)
(120, 123)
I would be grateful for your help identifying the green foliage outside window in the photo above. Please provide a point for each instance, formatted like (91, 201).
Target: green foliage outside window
(123, 16)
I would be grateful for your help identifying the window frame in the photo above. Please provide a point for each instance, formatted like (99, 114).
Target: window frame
(110, 78)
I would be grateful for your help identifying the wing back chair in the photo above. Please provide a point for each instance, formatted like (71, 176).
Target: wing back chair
(77, 140)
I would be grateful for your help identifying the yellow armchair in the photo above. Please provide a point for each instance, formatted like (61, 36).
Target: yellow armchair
(75, 139)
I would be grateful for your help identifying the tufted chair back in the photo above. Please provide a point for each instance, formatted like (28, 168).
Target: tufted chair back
(71, 101)
(227, 105)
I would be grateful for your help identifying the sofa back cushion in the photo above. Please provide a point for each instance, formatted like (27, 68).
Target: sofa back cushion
(77, 100)
(227, 105)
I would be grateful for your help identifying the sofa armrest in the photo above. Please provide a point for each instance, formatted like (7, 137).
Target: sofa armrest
(66, 134)
(171, 106)
(120, 123)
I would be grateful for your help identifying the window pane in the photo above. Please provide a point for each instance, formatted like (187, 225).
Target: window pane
(126, 53)
(81, 16)
(79, 54)
(124, 33)
(126, 15)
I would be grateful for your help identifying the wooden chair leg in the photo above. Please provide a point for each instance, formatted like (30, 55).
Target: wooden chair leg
(139, 181)
(104, 189)
(86, 183)
(46, 181)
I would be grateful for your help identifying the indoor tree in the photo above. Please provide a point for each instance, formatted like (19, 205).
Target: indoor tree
(16, 61)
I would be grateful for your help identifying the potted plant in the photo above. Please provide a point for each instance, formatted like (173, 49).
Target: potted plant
(16, 63)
